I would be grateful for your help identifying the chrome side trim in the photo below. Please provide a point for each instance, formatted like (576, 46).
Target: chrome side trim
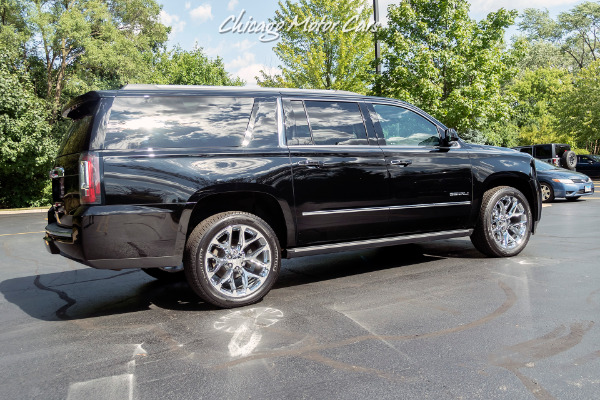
(448, 204)
(344, 211)
(369, 209)
(371, 243)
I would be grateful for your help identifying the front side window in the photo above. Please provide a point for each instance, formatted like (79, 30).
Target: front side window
(403, 127)
(336, 123)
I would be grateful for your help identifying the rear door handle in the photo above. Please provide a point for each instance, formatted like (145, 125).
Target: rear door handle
(310, 163)
(404, 163)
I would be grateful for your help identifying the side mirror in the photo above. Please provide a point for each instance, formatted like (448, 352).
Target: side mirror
(450, 136)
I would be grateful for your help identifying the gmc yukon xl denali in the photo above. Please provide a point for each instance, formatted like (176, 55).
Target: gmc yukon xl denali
(219, 184)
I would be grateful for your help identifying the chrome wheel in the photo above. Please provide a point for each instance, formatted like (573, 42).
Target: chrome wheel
(509, 222)
(546, 193)
(238, 260)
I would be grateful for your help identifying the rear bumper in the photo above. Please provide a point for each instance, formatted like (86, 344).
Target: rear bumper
(118, 237)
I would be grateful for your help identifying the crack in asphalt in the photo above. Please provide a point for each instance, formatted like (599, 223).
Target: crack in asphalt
(62, 311)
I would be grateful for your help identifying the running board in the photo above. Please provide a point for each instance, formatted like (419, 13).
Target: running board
(372, 243)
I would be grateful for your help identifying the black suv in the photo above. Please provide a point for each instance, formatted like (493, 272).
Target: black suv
(220, 183)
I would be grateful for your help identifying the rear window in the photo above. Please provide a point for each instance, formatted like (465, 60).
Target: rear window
(75, 141)
(560, 149)
(183, 121)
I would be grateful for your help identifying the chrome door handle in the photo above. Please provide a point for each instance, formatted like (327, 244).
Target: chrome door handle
(310, 163)
(404, 163)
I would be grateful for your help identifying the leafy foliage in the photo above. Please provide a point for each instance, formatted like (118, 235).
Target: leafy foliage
(26, 146)
(93, 44)
(448, 64)
(578, 110)
(575, 33)
(179, 67)
(323, 58)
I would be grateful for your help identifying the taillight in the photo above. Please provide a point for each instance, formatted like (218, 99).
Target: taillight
(89, 179)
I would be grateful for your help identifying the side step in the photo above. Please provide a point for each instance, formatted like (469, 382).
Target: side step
(372, 243)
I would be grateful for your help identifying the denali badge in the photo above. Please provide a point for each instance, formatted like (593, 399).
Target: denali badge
(454, 194)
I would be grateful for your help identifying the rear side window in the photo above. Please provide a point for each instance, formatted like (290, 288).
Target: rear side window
(336, 123)
(543, 151)
(296, 123)
(526, 150)
(180, 122)
(75, 140)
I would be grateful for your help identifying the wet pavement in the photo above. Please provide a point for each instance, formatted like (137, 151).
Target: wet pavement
(435, 321)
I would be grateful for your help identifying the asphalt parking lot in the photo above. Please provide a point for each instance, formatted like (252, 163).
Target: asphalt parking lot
(436, 321)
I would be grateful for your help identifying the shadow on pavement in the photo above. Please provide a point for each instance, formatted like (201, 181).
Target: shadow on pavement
(88, 293)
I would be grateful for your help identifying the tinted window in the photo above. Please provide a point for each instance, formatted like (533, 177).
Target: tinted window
(178, 121)
(296, 126)
(543, 151)
(402, 127)
(526, 150)
(76, 138)
(262, 130)
(336, 123)
(560, 149)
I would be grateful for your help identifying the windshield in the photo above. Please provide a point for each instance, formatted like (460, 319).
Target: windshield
(544, 166)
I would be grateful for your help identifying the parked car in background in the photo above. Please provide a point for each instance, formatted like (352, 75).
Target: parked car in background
(556, 154)
(561, 183)
(589, 165)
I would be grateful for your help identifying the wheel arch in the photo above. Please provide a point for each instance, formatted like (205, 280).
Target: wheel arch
(254, 199)
(518, 180)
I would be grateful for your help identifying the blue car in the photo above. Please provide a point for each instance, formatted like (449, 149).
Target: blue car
(562, 183)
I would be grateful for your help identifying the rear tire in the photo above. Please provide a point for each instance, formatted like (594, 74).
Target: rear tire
(166, 274)
(232, 259)
(504, 223)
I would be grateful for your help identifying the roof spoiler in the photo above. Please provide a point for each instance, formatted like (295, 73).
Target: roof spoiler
(80, 106)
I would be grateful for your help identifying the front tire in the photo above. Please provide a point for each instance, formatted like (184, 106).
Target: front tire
(547, 192)
(504, 223)
(232, 259)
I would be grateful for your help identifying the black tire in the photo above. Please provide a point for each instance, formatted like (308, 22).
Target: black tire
(573, 198)
(228, 260)
(492, 225)
(547, 192)
(168, 274)
(568, 160)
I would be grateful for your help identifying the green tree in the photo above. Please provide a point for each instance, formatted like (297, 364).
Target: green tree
(180, 67)
(448, 64)
(337, 57)
(93, 44)
(26, 146)
(578, 111)
(576, 32)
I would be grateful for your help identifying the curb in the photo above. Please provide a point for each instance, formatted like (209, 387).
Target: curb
(26, 211)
